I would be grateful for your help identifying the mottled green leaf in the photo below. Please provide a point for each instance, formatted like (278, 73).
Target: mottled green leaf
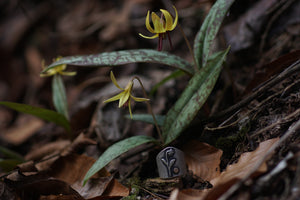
(208, 31)
(116, 150)
(45, 114)
(116, 58)
(192, 98)
(147, 118)
(59, 96)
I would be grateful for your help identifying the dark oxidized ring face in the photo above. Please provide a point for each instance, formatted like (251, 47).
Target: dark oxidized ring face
(170, 163)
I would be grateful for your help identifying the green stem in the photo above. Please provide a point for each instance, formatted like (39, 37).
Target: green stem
(149, 108)
(189, 47)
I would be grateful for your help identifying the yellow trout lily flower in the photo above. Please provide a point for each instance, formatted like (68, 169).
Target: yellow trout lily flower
(125, 96)
(161, 26)
(59, 69)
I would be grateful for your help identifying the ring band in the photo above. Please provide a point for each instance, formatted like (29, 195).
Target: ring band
(170, 163)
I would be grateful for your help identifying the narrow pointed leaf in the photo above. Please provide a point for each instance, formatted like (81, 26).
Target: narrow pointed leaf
(11, 154)
(116, 150)
(147, 118)
(192, 98)
(45, 114)
(9, 164)
(59, 96)
(208, 31)
(125, 57)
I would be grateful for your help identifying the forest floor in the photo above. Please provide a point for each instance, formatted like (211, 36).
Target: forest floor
(243, 144)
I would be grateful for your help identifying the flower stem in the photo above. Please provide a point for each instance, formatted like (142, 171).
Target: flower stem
(170, 42)
(189, 47)
(149, 108)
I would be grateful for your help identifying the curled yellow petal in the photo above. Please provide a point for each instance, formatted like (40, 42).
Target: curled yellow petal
(46, 75)
(113, 79)
(59, 69)
(149, 37)
(129, 108)
(176, 19)
(124, 98)
(148, 26)
(68, 73)
(138, 99)
(158, 23)
(114, 98)
(168, 19)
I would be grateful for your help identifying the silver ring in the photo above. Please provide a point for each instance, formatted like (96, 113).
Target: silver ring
(170, 163)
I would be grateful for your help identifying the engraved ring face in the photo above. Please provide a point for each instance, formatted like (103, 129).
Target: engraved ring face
(170, 163)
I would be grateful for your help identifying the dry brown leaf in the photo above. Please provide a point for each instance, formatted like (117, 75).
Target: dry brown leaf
(32, 185)
(237, 171)
(238, 34)
(34, 63)
(24, 128)
(39, 151)
(115, 188)
(72, 169)
(80, 141)
(187, 194)
(231, 175)
(203, 159)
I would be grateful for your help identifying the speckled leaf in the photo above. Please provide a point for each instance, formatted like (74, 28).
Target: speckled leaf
(116, 58)
(45, 114)
(59, 96)
(192, 98)
(208, 31)
(116, 150)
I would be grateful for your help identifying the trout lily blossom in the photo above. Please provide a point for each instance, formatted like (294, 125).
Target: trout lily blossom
(125, 96)
(59, 69)
(161, 26)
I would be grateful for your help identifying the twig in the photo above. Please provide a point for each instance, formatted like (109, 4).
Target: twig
(284, 120)
(292, 129)
(151, 193)
(269, 84)
(283, 6)
(150, 109)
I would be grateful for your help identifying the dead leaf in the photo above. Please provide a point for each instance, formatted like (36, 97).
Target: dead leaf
(6, 116)
(237, 171)
(188, 194)
(27, 167)
(7, 193)
(267, 71)
(24, 128)
(230, 176)
(14, 29)
(80, 141)
(34, 63)
(39, 151)
(241, 33)
(32, 186)
(116, 189)
(72, 169)
(203, 159)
